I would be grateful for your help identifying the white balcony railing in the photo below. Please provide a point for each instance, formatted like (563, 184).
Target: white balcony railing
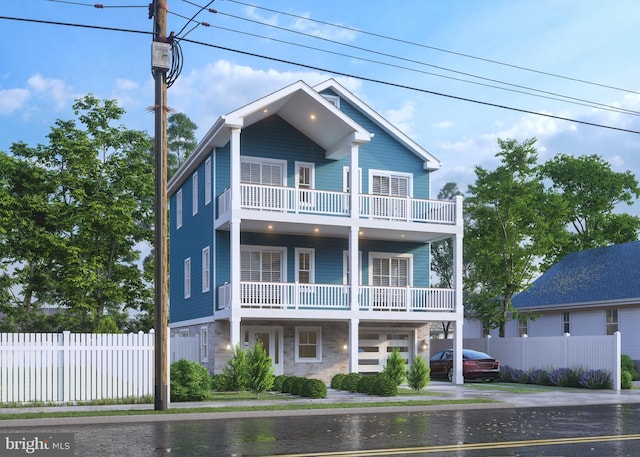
(322, 202)
(292, 296)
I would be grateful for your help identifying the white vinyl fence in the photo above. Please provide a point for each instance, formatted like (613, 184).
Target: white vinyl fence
(599, 352)
(68, 367)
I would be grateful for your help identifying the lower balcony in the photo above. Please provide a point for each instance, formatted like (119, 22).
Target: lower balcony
(295, 296)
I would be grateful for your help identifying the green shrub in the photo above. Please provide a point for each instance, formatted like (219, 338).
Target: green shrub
(260, 371)
(237, 369)
(314, 388)
(277, 382)
(566, 377)
(396, 367)
(336, 381)
(190, 381)
(286, 384)
(221, 383)
(384, 386)
(296, 385)
(627, 364)
(626, 380)
(418, 375)
(365, 385)
(351, 381)
(538, 376)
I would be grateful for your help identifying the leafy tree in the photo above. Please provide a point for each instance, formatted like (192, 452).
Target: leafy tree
(78, 208)
(181, 140)
(396, 368)
(592, 190)
(260, 373)
(513, 223)
(189, 381)
(418, 375)
(237, 368)
(442, 252)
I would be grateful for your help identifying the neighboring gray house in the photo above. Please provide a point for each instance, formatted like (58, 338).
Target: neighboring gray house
(592, 292)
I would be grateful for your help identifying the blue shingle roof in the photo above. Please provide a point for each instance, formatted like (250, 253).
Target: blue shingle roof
(595, 275)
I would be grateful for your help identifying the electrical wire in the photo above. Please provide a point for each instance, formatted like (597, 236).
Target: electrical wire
(97, 5)
(334, 72)
(400, 40)
(591, 103)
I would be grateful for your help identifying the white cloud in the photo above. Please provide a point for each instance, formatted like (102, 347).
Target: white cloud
(442, 125)
(54, 89)
(12, 100)
(402, 118)
(326, 31)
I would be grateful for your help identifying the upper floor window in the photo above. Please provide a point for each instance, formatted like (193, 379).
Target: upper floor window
(612, 321)
(396, 185)
(195, 192)
(261, 264)
(346, 179)
(254, 170)
(390, 270)
(305, 270)
(206, 267)
(207, 181)
(179, 208)
(187, 277)
(333, 99)
(305, 177)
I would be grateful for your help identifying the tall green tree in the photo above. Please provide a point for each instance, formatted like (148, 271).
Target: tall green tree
(181, 140)
(80, 207)
(592, 191)
(260, 375)
(513, 223)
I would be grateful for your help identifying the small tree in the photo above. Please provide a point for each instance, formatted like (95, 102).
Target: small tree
(190, 381)
(395, 367)
(237, 369)
(260, 371)
(418, 376)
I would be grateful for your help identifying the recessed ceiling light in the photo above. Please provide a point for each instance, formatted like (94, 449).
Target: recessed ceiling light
(313, 117)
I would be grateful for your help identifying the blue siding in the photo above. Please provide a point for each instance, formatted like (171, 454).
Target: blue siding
(188, 241)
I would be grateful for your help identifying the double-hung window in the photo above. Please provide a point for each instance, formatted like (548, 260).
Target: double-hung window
(187, 277)
(206, 270)
(207, 181)
(194, 192)
(308, 344)
(304, 266)
(389, 194)
(611, 321)
(179, 209)
(305, 176)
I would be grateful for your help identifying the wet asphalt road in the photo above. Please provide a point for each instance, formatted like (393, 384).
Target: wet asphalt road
(554, 431)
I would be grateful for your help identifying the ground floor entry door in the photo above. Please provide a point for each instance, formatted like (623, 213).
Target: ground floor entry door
(271, 339)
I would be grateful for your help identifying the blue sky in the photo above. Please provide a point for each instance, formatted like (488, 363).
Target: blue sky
(45, 67)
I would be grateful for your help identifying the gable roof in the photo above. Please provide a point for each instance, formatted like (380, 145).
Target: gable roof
(430, 162)
(608, 275)
(298, 104)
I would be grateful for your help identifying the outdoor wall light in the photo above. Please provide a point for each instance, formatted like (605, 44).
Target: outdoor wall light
(345, 347)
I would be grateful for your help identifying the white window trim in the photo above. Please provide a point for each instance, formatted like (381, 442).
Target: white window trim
(345, 267)
(282, 163)
(206, 269)
(318, 357)
(333, 99)
(345, 179)
(390, 174)
(194, 192)
(187, 277)
(312, 261)
(391, 255)
(179, 209)
(281, 249)
(207, 181)
(312, 173)
(204, 344)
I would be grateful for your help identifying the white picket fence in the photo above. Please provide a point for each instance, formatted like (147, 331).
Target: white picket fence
(598, 352)
(67, 367)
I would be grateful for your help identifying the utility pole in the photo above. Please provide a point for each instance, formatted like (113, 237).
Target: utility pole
(160, 55)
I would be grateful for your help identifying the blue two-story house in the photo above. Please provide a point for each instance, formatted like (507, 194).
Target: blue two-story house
(273, 238)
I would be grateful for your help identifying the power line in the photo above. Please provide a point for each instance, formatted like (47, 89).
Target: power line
(335, 72)
(415, 89)
(97, 5)
(400, 40)
(567, 97)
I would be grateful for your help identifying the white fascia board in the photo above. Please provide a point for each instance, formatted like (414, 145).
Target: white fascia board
(582, 305)
(430, 162)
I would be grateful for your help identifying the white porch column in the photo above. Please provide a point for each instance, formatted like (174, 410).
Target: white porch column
(354, 267)
(234, 332)
(459, 304)
(354, 325)
(354, 182)
(354, 264)
(235, 223)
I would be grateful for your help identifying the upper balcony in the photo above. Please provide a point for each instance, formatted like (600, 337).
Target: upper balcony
(337, 204)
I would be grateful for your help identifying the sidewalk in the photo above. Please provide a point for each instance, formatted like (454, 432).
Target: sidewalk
(437, 390)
